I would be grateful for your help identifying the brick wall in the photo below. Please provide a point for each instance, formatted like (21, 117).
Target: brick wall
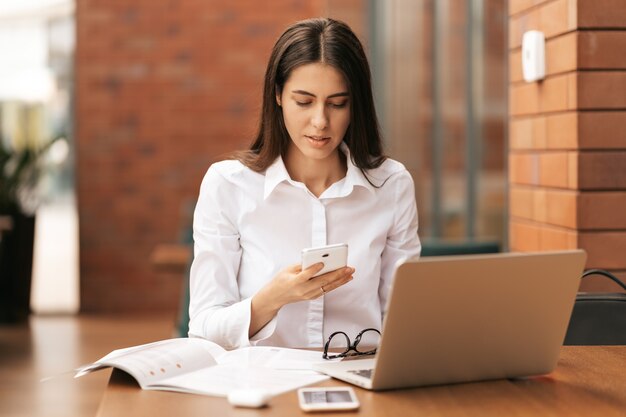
(163, 89)
(567, 160)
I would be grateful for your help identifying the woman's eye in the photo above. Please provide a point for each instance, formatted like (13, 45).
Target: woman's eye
(303, 103)
(339, 105)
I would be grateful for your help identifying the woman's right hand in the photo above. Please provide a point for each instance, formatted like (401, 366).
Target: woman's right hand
(291, 285)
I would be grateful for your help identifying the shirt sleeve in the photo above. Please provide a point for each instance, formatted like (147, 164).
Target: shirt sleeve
(402, 240)
(216, 310)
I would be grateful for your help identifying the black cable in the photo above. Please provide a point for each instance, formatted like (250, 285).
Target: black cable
(606, 274)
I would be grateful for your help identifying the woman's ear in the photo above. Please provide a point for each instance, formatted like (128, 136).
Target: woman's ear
(278, 94)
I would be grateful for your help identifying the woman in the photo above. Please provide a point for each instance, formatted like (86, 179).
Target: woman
(315, 175)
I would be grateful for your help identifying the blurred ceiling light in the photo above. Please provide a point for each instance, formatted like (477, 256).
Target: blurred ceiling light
(58, 151)
(28, 85)
(33, 8)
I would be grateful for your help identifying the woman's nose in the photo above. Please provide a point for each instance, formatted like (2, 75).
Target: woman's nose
(319, 120)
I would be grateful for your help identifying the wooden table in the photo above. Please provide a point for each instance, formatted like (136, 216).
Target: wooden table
(588, 381)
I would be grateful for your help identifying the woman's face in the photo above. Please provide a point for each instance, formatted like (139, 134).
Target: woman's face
(316, 109)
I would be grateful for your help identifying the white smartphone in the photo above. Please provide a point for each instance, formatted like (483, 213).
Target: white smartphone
(327, 398)
(333, 257)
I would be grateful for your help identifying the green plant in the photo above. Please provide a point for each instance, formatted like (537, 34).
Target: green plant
(20, 171)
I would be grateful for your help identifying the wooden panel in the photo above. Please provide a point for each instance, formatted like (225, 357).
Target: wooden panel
(601, 14)
(601, 89)
(552, 18)
(602, 49)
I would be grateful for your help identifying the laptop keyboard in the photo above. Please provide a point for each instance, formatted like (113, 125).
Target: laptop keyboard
(365, 373)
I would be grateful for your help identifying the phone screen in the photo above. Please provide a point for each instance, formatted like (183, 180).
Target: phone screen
(323, 397)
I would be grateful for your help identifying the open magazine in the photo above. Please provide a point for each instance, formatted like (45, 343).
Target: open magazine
(199, 366)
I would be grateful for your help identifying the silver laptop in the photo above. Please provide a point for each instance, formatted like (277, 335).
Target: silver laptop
(470, 318)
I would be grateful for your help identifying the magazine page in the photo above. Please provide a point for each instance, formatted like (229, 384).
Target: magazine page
(221, 379)
(156, 361)
(272, 357)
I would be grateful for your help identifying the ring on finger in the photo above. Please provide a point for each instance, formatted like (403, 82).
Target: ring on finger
(323, 291)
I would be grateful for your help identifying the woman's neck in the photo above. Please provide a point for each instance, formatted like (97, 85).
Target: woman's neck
(316, 174)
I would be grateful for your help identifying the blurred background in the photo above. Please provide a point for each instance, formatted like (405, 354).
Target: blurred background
(111, 111)
(139, 98)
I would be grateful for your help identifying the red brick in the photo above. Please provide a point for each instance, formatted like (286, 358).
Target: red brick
(605, 250)
(602, 210)
(162, 91)
(553, 18)
(521, 203)
(517, 6)
(554, 169)
(561, 56)
(553, 94)
(602, 170)
(601, 14)
(601, 90)
(554, 131)
(596, 49)
(602, 130)
(599, 283)
(524, 168)
(524, 236)
(554, 238)
(562, 208)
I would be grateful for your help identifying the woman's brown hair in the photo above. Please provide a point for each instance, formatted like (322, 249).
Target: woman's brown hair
(311, 41)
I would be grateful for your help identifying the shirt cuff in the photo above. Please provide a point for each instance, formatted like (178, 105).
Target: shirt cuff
(266, 331)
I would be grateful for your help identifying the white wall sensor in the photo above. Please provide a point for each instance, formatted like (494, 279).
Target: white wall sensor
(533, 56)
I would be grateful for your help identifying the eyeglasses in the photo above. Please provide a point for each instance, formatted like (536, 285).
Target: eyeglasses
(371, 336)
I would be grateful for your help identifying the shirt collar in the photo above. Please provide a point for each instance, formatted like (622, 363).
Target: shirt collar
(277, 173)
(355, 175)
(274, 175)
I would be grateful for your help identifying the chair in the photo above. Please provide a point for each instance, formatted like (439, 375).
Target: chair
(598, 318)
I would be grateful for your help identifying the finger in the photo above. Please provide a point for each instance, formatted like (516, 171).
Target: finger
(336, 284)
(332, 276)
(330, 281)
(308, 273)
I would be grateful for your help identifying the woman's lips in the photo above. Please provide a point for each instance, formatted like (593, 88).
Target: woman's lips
(318, 141)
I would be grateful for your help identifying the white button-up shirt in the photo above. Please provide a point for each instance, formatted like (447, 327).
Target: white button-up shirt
(248, 226)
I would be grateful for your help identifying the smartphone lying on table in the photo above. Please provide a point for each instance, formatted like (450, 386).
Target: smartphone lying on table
(333, 257)
(327, 399)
